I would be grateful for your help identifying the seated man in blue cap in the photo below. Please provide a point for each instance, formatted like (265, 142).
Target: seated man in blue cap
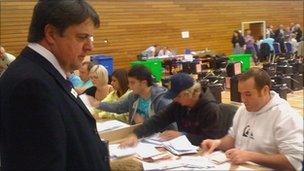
(195, 112)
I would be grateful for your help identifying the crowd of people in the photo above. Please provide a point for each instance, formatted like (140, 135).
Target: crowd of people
(245, 44)
(157, 50)
(46, 126)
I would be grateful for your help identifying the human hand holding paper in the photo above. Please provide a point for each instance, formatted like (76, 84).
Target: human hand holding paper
(209, 145)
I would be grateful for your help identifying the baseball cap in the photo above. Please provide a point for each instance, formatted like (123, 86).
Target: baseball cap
(178, 83)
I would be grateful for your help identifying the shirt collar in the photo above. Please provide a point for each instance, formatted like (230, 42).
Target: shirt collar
(48, 56)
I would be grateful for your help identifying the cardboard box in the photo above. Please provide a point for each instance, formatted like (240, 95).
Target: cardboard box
(118, 135)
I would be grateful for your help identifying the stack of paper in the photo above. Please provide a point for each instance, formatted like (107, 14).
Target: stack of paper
(115, 151)
(154, 139)
(164, 165)
(180, 145)
(218, 157)
(141, 149)
(144, 150)
(110, 125)
(184, 163)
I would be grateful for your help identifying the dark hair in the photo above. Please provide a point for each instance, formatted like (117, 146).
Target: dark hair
(238, 39)
(122, 77)
(237, 32)
(141, 73)
(88, 64)
(61, 14)
(261, 77)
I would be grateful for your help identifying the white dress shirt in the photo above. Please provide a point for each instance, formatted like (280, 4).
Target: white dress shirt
(48, 56)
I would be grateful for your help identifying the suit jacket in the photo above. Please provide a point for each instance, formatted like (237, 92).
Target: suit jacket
(43, 125)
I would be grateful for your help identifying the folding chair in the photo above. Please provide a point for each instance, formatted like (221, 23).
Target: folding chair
(277, 51)
(257, 50)
(265, 52)
(289, 50)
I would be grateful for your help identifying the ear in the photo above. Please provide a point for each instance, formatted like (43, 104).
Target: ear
(50, 32)
(145, 82)
(266, 90)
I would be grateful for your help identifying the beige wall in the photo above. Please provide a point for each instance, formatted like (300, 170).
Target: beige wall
(132, 25)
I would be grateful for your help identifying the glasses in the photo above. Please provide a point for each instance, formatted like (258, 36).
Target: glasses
(84, 37)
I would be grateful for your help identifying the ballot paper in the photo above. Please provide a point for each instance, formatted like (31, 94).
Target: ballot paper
(110, 125)
(154, 139)
(184, 163)
(194, 163)
(115, 151)
(164, 165)
(180, 145)
(190, 163)
(143, 151)
(218, 157)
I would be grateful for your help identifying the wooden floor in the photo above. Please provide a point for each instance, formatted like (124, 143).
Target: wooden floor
(295, 99)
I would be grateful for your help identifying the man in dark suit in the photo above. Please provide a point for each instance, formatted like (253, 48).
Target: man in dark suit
(44, 124)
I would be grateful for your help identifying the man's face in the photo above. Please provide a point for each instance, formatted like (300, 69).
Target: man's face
(71, 47)
(248, 32)
(251, 97)
(136, 85)
(84, 73)
(182, 98)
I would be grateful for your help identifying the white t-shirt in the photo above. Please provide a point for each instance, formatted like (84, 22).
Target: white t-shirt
(276, 128)
(164, 53)
(294, 45)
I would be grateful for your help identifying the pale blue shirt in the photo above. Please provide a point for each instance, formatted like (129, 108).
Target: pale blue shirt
(269, 41)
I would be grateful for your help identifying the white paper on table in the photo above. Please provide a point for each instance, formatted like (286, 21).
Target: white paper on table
(227, 166)
(176, 152)
(85, 100)
(144, 150)
(184, 163)
(163, 165)
(154, 139)
(181, 143)
(115, 151)
(218, 157)
(110, 125)
(197, 162)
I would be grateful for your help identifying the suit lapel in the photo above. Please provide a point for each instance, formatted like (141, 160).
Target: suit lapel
(48, 67)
